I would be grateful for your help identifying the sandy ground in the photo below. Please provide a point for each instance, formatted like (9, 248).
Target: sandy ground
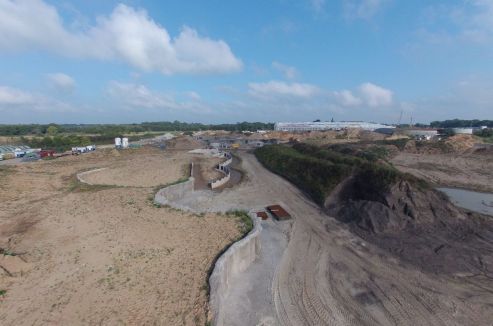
(102, 255)
(453, 170)
(143, 171)
(329, 276)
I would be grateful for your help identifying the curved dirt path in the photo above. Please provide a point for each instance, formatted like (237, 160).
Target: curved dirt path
(328, 276)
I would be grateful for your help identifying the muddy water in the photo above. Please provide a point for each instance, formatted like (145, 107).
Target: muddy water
(475, 201)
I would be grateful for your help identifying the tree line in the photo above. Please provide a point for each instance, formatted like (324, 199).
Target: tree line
(458, 123)
(111, 130)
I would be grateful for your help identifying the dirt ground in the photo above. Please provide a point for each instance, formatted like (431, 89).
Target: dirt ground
(82, 255)
(329, 276)
(470, 171)
(143, 171)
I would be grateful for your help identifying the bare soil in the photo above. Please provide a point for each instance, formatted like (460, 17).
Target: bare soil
(327, 275)
(470, 171)
(85, 255)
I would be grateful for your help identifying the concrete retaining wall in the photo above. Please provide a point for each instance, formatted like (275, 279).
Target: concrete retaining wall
(175, 192)
(223, 168)
(221, 182)
(235, 260)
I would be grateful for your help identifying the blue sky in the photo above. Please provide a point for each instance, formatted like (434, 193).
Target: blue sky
(226, 61)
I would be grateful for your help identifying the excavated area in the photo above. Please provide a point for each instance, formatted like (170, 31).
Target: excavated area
(418, 225)
(326, 271)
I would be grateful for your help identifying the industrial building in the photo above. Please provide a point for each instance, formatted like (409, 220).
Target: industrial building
(321, 126)
(419, 133)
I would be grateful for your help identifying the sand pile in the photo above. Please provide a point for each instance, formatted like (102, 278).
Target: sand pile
(461, 143)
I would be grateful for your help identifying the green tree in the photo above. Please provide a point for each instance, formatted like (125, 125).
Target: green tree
(52, 130)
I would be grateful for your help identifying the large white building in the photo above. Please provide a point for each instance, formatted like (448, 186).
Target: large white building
(320, 126)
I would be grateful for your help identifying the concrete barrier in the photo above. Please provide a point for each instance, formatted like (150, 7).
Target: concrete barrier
(235, 260)
(175, 192)
(223, 168)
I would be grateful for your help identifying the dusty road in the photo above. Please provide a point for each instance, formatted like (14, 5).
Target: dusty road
(328, 276)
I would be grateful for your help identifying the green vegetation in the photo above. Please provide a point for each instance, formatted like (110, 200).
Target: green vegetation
(457, 123)
(486, 135)
(246, 223)
(58, 143)
(3, 293)
(399, 143)
(317, 171)
(115, 130)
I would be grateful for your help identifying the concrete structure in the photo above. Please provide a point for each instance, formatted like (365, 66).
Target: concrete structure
(234, 261)
(223, 168)
(465, 131)
(172, 193)
(321, 126)
(118, 142)
(420, 133)
(124, 142)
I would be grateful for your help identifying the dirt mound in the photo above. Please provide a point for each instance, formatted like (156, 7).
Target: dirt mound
(461, 143)
(419, 225)
(184, 143)
(455, 144)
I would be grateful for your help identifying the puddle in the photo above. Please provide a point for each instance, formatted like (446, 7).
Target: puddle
(475, 201)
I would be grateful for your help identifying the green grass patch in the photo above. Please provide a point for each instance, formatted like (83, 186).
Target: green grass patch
(245, 221)
(3, 293)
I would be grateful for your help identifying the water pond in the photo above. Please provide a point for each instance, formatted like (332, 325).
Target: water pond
(474, 201)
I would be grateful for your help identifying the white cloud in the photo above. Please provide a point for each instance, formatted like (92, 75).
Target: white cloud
(194, 95)
(347, 98)
(375, 96)
(317, 5)
(137, 96)
(13, 96)
(279, 88)
(288, 71)
(470, 22)
(362, 9)
(127, 35)
(367, 95)
(61, 81)
(17, 99)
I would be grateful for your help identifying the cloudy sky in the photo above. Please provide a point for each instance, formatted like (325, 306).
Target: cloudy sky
(110, 61)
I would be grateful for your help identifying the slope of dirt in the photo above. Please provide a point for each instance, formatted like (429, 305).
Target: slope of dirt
(183, 143)
(419, 226)
(452, 170)
(92, 255)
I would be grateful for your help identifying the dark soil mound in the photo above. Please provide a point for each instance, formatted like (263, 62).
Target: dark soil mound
(419, 225)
